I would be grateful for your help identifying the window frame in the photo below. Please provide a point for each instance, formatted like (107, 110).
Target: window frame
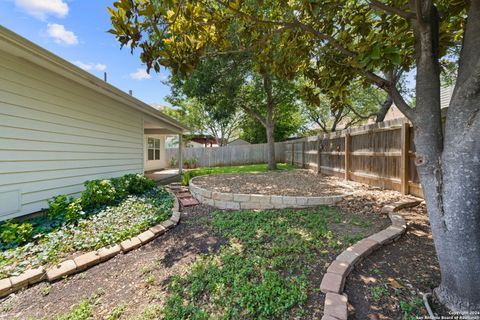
(154, 148)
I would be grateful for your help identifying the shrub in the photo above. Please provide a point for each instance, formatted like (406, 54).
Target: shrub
(194, 162)
(98, 193)
(57, 207)
(186, 163)
(173, 162)
(64, 209)
(138, 183)
(16, 233)
(74, 210)
(121, 187)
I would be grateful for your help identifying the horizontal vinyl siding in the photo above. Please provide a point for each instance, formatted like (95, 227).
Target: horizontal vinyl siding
(56, 134)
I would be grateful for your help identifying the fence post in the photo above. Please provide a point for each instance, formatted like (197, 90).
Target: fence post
(347, 156)
(293, 154)
(319, 156)
(404, 168)
(303, 154)
(180, 153)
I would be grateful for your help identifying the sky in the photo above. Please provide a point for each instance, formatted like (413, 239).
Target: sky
(76, 30)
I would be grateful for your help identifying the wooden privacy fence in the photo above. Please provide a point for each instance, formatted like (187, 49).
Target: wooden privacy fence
(229, 155)
(380, 155)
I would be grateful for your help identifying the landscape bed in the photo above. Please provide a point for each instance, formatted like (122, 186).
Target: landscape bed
(200, 268)
(297, 182)
(390, 283)
(188, 174)
(115, 210)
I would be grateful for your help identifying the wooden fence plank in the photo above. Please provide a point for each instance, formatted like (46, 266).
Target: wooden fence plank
(347, 156)
(404, 170)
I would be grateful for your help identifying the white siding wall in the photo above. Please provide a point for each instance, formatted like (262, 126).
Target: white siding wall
(55, 134)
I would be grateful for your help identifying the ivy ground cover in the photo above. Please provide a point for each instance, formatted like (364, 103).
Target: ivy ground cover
(52, 240)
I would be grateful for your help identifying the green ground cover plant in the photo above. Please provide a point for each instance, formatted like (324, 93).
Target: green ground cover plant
(264, 271)
(107, 212)
(187, 175)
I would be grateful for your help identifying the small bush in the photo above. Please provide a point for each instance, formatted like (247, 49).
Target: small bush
(98, 193)
(121, 187)
(66, 209)
(57, 207)
(173, 162)
(16, 233)
(137, 183)
(74, 210)
(194, 163)
(186, 163)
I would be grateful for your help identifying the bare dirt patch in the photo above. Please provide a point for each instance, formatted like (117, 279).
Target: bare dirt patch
(282, 183)
(389, 283)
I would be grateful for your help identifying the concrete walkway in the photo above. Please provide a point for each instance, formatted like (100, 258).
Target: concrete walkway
(163, 177)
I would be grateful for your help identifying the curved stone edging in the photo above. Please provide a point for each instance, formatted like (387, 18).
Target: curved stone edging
(333, 282)
(241, 201)
(89, 259)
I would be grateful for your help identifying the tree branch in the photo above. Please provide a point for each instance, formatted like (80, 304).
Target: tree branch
(391, 10)
(255, 114)
(392, 90)
(382, 83)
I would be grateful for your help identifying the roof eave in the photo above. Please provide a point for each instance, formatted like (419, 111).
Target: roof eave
(27, 50)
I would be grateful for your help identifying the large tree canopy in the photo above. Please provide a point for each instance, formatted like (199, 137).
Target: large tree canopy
(286, 117)
(332, 43)
(208, 98)
(330, 114)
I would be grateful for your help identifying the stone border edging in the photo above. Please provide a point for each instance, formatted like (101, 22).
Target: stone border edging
(243, 201)
(89, 259)
(333, 282)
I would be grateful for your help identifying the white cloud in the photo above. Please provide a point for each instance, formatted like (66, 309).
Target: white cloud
(163, 76)
(100, 67)
(61, 35)
(40, 9)
(90, 66)
(140, 74)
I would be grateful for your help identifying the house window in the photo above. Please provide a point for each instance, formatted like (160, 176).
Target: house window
(153, 149)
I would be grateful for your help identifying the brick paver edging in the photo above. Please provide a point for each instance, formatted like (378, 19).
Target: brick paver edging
(239, 201)
(89, 259)
(333, 282)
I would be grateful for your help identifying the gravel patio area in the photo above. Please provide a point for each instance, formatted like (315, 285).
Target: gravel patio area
(283, 183)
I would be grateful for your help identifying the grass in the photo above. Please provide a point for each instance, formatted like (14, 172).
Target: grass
(108, 225)
(263, 272)
(187, 175)
(266, 269)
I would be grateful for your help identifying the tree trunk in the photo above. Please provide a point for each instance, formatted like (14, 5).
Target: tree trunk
(449, 167)
(272, 164)
(269, 123)
(457, 235)
(384, 109)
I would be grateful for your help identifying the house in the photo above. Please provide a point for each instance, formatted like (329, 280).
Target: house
(445, 97)
(202, 141)
(193, 141)
(61, 126)
(238, 142)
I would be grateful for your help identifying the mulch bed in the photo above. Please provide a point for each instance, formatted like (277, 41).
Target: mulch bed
(282, 183)
(389, 283)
